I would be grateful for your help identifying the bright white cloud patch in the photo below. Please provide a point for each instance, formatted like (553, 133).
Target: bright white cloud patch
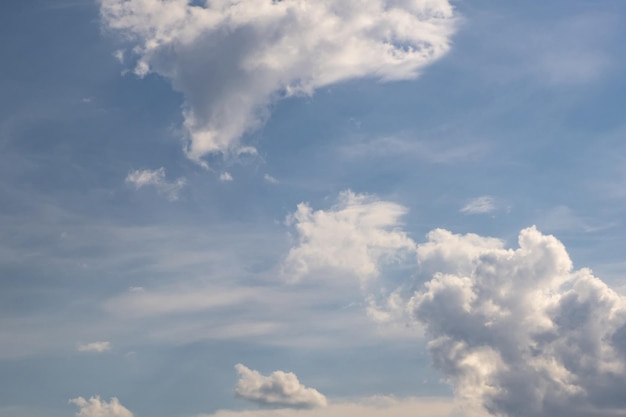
(355, 236)
(95, 407)
(278, 389)
(479, 205)
(156, 178)
(231, 58)
(518, 332)
(97, 347)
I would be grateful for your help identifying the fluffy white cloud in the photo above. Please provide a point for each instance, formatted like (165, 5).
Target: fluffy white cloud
(479, 205)
(156, 178)
(278, 389)
(97, 347)
(380, 406)
(518, 332)
(231, 58)
(355, 236)
(95, 407)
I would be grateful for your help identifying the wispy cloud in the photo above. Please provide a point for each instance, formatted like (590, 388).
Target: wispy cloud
(404, 146)
(226, 177)
(479, 205)
(269, 179)
(377, 406)
(156, 178)
(97, 347)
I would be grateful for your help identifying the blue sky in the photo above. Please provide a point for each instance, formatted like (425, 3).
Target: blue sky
(188, 186)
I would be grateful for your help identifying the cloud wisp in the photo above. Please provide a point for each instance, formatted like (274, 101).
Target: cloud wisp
(282, 389)
(95, 347)
(231, 59)
(479, 205)
(156, 178)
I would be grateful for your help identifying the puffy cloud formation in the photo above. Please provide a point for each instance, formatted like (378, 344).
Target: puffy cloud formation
(518, 332)
(380, 406)
(231, 58)
(95, 407)
(355, 236)
(156, 178)
(278, 389)
(97, 347)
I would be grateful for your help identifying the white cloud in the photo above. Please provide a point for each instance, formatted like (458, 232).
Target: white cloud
(379, 406)
(518, 332)
(356, 236)
(95, 407)
(268, 178)
(278, 389)
(97, 347)
(225, 177)
(156, 178)
(479, 205)
(231, 59)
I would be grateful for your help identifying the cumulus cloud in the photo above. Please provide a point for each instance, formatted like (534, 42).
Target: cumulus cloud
(356, 236)
(95, 407)
(156, 178)
(519, 332)
(231, 59)
(278, 389)
(97, 347)
(479, 205)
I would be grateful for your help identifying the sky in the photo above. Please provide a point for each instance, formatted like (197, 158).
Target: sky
(298, 208)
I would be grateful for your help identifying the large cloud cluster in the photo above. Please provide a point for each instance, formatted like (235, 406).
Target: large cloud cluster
(231, 58)
(519, 332)
(278, 389)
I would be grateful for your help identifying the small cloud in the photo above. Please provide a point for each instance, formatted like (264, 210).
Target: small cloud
(156, 178)
(225, 176)
(86, 100)
(278, 389)
(95, 407)
(97, 347)
(119, 55)
(268, 178)
(479, 205)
